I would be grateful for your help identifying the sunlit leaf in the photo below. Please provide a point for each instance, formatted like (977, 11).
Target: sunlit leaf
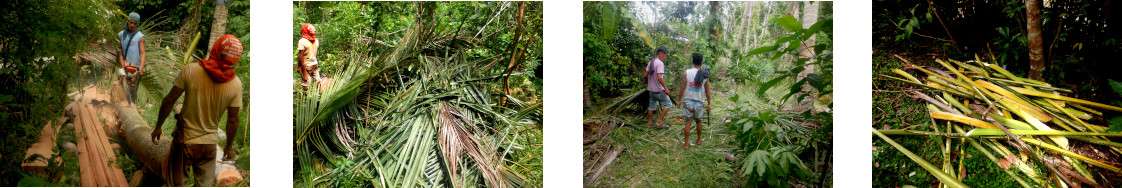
(764, 49)
(789, 22)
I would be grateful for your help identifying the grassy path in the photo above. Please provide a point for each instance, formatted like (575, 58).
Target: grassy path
(654, 157)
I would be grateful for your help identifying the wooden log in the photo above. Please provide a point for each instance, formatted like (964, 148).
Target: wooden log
(611, 156)
(43, 147)
(94, 139)
(116, 175)
(229, 176)
(137, 178)
(94, 167)
(138, 136)
(84, 164)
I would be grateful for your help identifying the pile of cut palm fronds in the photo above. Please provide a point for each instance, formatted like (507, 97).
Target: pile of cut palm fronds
(409, 117)
(1016, 122)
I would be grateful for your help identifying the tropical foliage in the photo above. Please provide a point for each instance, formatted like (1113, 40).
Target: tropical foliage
(772, 70)
(36, 69)
(449, 100)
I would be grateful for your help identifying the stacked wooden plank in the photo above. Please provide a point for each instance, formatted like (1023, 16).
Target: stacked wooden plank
(43, 147)
(96, 160)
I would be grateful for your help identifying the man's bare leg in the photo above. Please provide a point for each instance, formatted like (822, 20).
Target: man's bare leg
(698, 133)
(662, 115)
(649, 118)
(686, 135)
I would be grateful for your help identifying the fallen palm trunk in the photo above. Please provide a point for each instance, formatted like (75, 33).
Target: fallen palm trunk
(138, 135)
(1003, 111)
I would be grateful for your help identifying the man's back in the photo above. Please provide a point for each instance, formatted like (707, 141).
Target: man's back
(205, 103)
(694, 90)
(654, 68)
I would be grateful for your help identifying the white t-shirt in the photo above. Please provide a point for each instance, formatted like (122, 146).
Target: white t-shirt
(694, 90)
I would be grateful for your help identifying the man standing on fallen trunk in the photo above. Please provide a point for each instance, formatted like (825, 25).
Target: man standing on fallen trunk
(212, 88)
(656, 88)
(131, 57)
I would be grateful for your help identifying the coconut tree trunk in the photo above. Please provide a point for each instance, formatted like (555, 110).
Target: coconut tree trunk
(745, 24)
(1035, 39)
(138, 136)
(763, 29)
(809, 17)
(219, 27)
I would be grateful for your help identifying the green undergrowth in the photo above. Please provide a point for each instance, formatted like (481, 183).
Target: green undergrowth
(892, 109)
(654, 157)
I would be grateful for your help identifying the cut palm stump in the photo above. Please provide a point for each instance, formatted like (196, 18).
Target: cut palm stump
(96, 159)
(1025, 123)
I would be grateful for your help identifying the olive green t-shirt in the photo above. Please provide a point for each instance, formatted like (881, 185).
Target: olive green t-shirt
(205, 103)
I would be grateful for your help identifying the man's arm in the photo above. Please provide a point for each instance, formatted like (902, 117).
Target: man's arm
(231, 132)
(300, 63)
(121, 58)
(140, 69)
(165, 109)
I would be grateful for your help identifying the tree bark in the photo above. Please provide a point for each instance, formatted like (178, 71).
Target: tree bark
(516, 54)
(1035, 39)
(219, 27)
(809, 17)
(138, 135)
(738, 35)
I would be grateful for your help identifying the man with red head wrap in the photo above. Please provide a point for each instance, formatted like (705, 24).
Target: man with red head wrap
(306, 63)
(212, 87)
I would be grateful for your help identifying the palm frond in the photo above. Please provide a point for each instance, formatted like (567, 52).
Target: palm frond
(414, 114)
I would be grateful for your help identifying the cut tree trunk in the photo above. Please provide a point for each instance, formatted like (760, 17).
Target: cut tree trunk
(138, 135)
(1036, 41)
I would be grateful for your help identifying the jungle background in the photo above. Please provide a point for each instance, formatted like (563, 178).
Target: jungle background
(771, 119)
(420, 93)
(56, 48)
(1078, 42)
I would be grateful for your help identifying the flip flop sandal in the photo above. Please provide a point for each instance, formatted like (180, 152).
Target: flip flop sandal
(663, 125)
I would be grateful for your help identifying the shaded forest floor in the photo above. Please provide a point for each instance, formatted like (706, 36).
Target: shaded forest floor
(892, 109)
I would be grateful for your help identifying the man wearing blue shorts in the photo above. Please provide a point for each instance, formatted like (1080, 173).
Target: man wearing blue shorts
(656, 87)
